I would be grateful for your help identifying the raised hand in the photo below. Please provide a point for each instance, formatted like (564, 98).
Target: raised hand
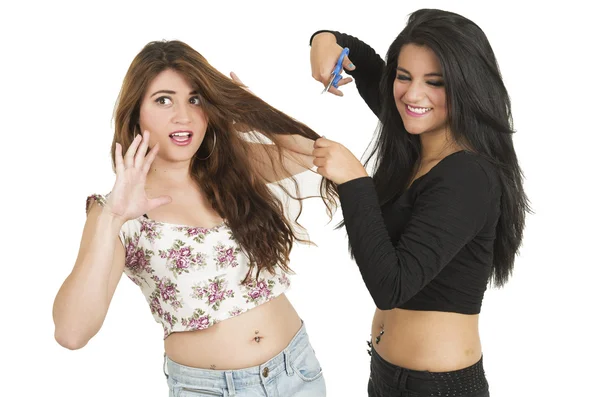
(128, 199)
(335, 162)
(235, 78)
(324, 53)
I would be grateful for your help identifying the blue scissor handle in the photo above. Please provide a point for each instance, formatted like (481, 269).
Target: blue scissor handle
(338, 67)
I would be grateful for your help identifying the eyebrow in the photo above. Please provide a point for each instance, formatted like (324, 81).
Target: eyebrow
(427, 75)
(171, 92)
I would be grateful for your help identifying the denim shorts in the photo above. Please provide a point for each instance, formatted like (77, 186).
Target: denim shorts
(295, 372)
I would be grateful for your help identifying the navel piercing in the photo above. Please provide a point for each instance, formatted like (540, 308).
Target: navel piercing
(379, 337)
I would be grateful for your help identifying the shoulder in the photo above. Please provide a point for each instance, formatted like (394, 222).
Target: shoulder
(466, 169)
(463, 174)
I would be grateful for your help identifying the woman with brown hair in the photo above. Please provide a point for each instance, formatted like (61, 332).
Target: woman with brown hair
(192, 221)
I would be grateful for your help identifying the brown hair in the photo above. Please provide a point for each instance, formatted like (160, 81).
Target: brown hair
(234, 187)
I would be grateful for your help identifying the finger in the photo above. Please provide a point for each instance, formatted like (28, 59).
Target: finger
(158, 201)
(319, 162)
(347, 64)
(345, 81)
(320, 152)
(141, 152)
(149, 159)
(322, 142)
(130, 151)
(321, 171)
(235, 78)
(119, 166)
(335, 91)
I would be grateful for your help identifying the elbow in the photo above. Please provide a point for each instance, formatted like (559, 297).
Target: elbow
(383, 299)
(384, 304)
(70, 340)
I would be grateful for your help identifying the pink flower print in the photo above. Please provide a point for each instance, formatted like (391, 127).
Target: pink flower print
(181, 258)
(284, 280)
(182, 263)
(167, 291)
(259, 292)
(155, 306)
(235, 312)
(170, 319)
(215, 291)
(135, 281)
(137, 258)
(199, 323)
(197, 233)
(199, 320)
(152, 230)
(226, 256)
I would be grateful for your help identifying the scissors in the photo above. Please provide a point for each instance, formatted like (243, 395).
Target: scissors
(336, 75)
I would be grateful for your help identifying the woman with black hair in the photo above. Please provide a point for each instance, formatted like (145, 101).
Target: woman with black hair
(444, 212)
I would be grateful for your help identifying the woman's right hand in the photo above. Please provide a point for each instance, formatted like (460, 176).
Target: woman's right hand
(324, 54)
(128, 199)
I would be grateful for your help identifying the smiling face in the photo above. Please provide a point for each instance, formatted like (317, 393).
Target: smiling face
(171, 112)
(419, 91)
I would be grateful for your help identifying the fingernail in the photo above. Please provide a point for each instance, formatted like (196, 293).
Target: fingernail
(351, 66)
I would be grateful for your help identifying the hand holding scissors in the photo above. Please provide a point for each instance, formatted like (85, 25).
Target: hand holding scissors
(325, 55)
(336, 74)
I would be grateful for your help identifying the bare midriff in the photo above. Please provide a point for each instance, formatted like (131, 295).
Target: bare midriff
(247, 340)
(426, 340)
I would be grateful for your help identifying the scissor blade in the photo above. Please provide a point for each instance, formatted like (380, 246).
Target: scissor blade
(329, 85)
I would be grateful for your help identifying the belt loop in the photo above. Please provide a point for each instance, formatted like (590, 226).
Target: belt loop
(165, 365)
(402, 379)
(230, 386)
(286, 358)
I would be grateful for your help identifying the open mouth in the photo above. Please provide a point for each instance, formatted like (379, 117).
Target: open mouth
(181, 138)
(417, 111)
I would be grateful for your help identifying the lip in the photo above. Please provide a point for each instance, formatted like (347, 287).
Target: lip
(182, 142)
(414, 114)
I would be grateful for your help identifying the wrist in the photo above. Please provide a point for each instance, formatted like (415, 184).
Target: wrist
(108, 220)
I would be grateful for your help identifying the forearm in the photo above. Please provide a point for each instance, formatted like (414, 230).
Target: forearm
(295, 143)
(372, 248)
(82, 302)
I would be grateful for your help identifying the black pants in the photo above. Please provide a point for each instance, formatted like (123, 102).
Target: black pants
(389, 380)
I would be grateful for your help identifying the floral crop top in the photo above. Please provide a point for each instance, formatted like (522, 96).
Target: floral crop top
(192, 276)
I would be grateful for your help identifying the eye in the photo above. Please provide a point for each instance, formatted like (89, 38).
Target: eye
(403, 77)
(195, 100)
(436, 83)
(163, 100)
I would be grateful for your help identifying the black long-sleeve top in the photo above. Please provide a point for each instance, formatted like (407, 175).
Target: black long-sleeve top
(432, 247)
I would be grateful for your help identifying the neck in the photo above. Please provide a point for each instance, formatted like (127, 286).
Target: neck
(169, 174)
(437, 145)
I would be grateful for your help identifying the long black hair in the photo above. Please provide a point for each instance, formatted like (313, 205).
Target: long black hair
(479, 116)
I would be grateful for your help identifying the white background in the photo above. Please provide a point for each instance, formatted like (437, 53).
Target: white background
(61, 69)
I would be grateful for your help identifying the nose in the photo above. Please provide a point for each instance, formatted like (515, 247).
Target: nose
(182, 114)
(414, 93)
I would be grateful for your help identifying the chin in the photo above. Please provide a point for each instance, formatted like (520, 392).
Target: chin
(414, 130)
(179, 156)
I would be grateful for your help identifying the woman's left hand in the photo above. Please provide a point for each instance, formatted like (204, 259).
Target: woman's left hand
(335, 162)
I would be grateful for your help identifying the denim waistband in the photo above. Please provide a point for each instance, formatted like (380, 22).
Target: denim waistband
(241, 378)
